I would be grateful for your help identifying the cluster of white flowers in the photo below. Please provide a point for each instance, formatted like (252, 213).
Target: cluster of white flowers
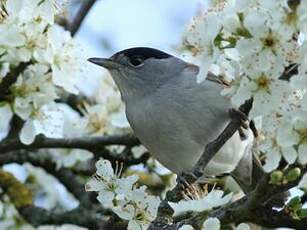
(122, 196)
(199, 201)
(53, 61)
(213, 199)
(254, 44)
(55, 64)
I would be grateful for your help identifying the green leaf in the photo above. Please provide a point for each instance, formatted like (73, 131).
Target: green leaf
(276, 177)
(295, 203)
(302, 213)
(293, 174)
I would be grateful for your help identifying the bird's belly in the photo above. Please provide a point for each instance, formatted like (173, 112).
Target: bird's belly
(185, 156)
(228, 157)
(178, 161)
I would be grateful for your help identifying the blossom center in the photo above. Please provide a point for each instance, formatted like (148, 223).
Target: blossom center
(268, 41)
(263, 82)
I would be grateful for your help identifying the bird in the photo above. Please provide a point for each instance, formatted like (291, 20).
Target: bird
(172, 114)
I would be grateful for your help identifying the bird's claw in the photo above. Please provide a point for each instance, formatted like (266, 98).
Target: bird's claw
(241, 117)
(238, 115)
(186, 179)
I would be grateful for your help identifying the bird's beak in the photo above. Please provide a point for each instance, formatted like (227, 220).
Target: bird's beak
(105, 62)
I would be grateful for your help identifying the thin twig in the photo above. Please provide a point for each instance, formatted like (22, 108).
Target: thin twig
(87, 143)
(80, 16)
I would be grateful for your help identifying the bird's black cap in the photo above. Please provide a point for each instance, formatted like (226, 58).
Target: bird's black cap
(144, 52)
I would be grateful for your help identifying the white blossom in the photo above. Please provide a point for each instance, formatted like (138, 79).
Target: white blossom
(243, 226)
(212, 224)
(303, 183)
(119, 194)
(108, 183)
(64, 57)
(302, 12)
(199, 39)
(48, 121)
(265, 87)
(11, 35)
(62, 227)
(213, 199)
(186, 227)
(139, 208)
(69, 157)
(6, 115)
(33, 9)
(33, 90)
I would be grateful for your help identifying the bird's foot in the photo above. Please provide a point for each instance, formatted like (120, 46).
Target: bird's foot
(241, 117)
(195, 187)
(186, 178)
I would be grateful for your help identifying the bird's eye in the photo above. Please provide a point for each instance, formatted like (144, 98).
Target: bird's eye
(136, 61)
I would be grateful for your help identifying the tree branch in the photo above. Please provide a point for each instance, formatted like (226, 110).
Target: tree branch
(78, 216)
(80, 16)
(11, 78)
(87, 143)
(253, 208)
(256, 208)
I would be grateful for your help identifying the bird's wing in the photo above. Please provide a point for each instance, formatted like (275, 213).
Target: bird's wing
(201, 107)
(217, 79)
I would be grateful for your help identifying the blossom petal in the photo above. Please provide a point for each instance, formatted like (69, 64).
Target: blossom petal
(272, 160)
(289, 154)
(212, 224)
(302, 153)
(28, 133)
(104, 169)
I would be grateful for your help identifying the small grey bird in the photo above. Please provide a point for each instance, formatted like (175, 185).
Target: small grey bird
(173, 115)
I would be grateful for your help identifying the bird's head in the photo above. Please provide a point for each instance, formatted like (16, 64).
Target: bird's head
(141, 70)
